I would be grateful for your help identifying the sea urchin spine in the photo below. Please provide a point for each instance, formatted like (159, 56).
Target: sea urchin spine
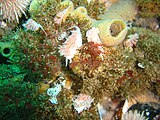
(11, 10)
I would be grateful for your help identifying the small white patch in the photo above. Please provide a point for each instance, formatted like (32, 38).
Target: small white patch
(101, 111)
(89, 1)
(53, 92)
(147, 113)
(141, 65)
(62, 36)
(32, 25)
(3, 24)
(125, 107)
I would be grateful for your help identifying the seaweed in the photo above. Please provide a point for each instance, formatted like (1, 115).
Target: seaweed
(148, 8)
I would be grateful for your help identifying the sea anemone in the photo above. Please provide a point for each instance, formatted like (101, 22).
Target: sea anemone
(133, 115)
(11, 10)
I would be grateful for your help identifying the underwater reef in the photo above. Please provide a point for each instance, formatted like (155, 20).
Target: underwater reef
(79, 60)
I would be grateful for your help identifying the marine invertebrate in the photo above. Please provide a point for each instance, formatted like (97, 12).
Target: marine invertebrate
(62, 15)
(6, 49)
(32, 25)
(131, 41)
(3, 24)
(133, 115)
(107, 108)
(81, 13)
(94, 7)
(149, 110)
(53, 92)
(147, 56)
(70, 46)
(82, 102)
(34, 6)
(13, 9)
(112, 31)
(93, 36)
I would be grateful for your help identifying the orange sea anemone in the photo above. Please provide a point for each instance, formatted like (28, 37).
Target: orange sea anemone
(11, 10)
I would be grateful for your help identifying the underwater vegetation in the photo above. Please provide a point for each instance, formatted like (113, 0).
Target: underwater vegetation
(14, 105)
(76, 60)
(148, 8)
(33, 54)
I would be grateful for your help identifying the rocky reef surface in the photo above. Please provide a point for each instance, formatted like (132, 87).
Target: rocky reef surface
(79, 60)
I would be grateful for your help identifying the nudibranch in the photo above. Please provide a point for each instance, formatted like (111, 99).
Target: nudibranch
(72, 43)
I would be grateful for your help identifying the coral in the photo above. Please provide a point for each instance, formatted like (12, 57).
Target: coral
(44, 109)
(93, 36)
(34, 5)
(115, 75)
(149, 44)
(13, 9)
(112, 31)
(47, 10)
(64, 109)
(149, 8)
(83, 24)
(21, 100)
